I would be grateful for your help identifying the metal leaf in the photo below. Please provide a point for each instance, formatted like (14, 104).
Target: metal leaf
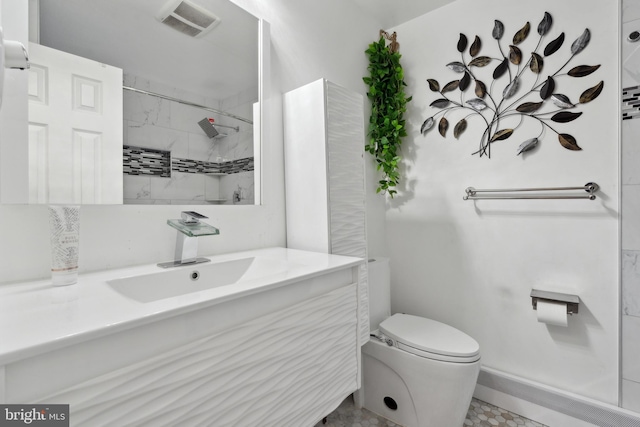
(521, 34)
(582, 70)
(477, 104)
(433, 85)
(456, 66)
(529, 144)
(565, 116)
(561, 101)
(475, 47)
(426, 125)
(481, 89)
(440, 103)
(450, 86)
(536, 64)
(592, 93)
(443, 126)
(501, 69)
(545, 24)
(511, 89)
(529, 107)
(581, 42)
(480, 61)
(554, 45)
(547, 89)
(501, 134)
(568, 142)
(498, 30)
(464, 82)
(515, 54)
(460, 127)
(462, 43)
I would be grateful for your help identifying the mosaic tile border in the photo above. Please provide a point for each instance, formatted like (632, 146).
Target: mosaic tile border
(631, 103)
(152, 162)
(146, 161)
(198, 166)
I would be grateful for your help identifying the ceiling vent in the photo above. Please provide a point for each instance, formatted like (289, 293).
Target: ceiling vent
(188, 18)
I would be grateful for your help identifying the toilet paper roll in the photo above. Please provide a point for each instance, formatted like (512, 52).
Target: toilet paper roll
(552, 313)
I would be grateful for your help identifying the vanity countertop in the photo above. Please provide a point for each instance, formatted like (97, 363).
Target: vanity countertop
(36, 317)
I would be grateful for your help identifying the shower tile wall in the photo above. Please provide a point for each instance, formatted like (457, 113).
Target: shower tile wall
(155, 123)
(630, 208)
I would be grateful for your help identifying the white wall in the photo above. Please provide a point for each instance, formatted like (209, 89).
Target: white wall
(310, 40)
(473, 264)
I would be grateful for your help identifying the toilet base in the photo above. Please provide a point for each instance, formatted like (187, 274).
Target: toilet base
(415, 391)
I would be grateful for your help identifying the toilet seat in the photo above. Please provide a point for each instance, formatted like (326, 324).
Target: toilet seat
(429, 338)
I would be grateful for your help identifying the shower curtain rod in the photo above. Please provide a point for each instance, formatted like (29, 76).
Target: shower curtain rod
(191, 104)
(589, 188)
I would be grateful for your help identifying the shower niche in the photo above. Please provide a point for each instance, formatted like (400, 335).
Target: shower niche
(168, 158)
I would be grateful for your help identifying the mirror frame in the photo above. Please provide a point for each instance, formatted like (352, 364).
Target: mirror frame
(14, 119)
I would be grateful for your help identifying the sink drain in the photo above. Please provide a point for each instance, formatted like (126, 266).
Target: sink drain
(195, 275)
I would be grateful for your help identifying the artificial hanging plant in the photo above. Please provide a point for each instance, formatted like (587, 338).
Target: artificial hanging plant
(389, 103)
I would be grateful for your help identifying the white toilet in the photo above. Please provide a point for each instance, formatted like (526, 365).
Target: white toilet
(417, 372)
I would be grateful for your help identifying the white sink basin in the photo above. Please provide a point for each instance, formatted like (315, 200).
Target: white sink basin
(199, 277)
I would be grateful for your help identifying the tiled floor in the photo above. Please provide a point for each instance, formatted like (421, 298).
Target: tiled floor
(480, 414)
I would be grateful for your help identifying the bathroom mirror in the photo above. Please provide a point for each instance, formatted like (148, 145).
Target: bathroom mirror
(189, 94)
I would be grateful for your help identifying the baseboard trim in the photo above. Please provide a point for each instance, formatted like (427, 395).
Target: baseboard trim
(572, 405)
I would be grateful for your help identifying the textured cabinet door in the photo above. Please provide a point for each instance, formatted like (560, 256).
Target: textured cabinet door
(288, 368)
(324, 176)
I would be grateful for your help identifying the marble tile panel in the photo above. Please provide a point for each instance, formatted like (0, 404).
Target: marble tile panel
(145, 109)
(631, 348)
(630, 55)
(201, 147)
(181, 186)
(136, 187)
(631, 395)
(237, 145)
(631, 283)
(160, 138)
(242, 184)
(630, 10)
(630, 151)
(143, 202)
(631, 217)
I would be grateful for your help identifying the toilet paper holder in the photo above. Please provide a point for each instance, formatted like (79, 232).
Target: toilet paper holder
(572, 301)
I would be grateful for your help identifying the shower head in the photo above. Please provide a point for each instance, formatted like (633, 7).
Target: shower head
(207, 126)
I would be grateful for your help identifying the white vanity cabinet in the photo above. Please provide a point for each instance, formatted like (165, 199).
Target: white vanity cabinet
(286, 355)
(324, 175)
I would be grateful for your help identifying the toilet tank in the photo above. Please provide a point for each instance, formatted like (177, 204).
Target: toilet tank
(379, 291)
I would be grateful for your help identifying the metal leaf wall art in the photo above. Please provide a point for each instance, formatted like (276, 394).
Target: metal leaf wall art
(537, 101)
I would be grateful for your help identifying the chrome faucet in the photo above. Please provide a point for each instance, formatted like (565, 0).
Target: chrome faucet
(189, 229)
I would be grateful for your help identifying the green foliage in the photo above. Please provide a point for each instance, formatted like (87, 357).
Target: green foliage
(389, 103)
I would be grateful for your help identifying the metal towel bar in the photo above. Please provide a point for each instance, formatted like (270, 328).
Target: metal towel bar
(590, 188)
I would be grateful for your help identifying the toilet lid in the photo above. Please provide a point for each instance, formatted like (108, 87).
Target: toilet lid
(430, 336)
